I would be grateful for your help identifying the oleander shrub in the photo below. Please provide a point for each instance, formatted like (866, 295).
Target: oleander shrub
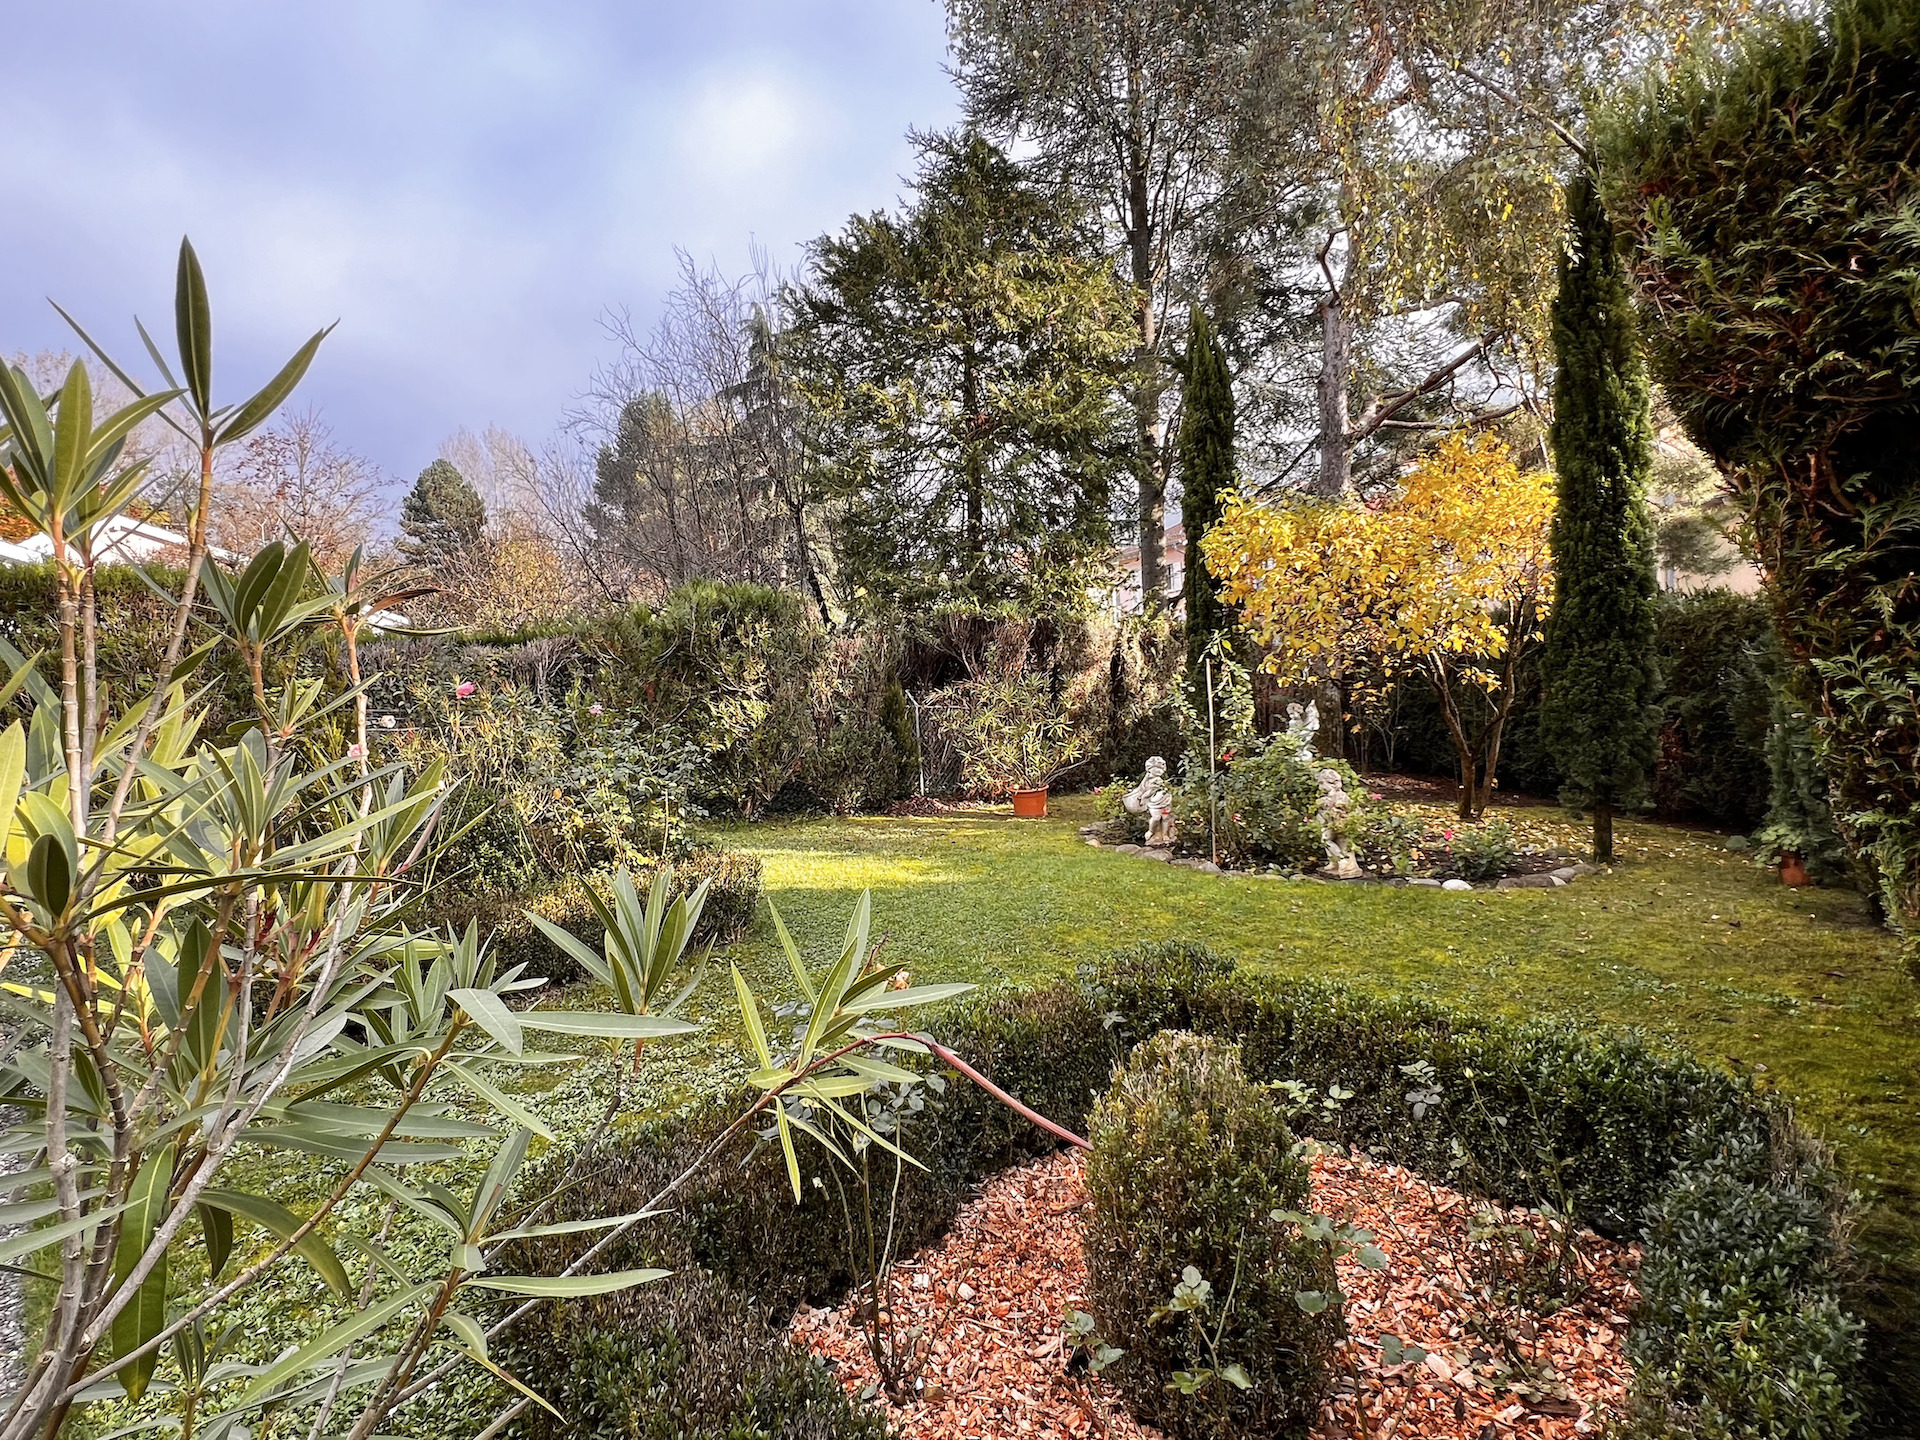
(1190, 1165)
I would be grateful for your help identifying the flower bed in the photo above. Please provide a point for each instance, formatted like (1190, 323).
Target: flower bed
(994, 1294)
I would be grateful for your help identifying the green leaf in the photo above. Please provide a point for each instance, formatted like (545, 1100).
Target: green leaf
(792, 951)
(473, 1340)
(572, 945)
(48, 875)
(572, 1227)
(29, 1241)
(568, 1287)
(750, 1017)
(216, 1228)
(1311, 1302)
(332, 1341)
(1237, 1376)
(488, 1012)
(274, 393)
(500, 1100)
(276, 1218)
(13, 769)
(905, 999)
(146, 1314)
(193, 328)
(605, 1026)
(72, 428)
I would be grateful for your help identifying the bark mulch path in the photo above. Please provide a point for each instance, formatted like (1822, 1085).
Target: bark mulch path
(995, 1292)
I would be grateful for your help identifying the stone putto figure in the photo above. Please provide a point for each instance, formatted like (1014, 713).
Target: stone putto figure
(1332, 810)
(1153, 797)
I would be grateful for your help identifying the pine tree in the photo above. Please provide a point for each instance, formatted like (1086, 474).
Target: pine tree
(442, 517)
(1602, 679)
(1206, 475)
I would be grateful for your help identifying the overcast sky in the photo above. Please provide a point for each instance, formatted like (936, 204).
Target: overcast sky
(466, 185)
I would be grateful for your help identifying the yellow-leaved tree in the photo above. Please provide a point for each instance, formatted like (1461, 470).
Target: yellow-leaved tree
(1450, 576)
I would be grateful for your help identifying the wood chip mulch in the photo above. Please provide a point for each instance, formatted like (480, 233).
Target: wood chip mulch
(995, 1292)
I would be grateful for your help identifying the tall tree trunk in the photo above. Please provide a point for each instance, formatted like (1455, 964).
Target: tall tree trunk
(1150, 477)
(1336, 369)
(1602, 831)
(970, 467)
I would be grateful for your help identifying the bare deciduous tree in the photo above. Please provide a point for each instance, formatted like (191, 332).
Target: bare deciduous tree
(697, 467)
(295, 478)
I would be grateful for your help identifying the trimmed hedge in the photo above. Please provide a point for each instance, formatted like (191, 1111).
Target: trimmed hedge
(1742, 1330)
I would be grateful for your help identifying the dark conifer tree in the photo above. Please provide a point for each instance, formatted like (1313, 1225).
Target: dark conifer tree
(1207, 476)
(1602, 680)
(441, 518)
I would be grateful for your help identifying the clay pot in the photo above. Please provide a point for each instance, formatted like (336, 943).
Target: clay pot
(1030, 804)
(1793, 870)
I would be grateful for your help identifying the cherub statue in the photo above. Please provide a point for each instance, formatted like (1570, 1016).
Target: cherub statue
(1153, 797)
(1332, 809)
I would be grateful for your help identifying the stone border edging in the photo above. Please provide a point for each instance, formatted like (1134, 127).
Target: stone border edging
(1545, 880)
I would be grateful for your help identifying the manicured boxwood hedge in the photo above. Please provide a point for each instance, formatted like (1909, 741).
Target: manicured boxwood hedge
(1741, 1333)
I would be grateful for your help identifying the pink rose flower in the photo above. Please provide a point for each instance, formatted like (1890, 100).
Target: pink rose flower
(354, 752)
(593, 709)
(464, 689)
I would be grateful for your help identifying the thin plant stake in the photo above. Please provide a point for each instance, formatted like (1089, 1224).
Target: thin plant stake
(1213, 793)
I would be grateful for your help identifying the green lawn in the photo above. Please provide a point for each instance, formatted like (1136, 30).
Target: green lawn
(1797, 988)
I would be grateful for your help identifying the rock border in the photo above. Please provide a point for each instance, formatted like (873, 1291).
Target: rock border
(1545, 880)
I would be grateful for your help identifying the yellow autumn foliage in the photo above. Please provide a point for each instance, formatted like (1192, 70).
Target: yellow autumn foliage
(1450, 575)
(1455, 565)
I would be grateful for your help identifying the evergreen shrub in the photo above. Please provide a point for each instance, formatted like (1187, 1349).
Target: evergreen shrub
(1770, 186)
(1739, 1331)
(1799, 817)
(1718, 656)
(1190, 1164)
(1267, 808)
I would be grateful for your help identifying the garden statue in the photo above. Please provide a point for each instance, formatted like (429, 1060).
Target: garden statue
(1153, 797)
(1303, 725)
(1332, 810)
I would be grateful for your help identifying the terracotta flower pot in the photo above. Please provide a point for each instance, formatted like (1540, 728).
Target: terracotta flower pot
(1030, 804)
(1793, 869)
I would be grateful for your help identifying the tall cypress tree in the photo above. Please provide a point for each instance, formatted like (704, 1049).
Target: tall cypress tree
(442, 516)
(1207, 475)
(1599, 719)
